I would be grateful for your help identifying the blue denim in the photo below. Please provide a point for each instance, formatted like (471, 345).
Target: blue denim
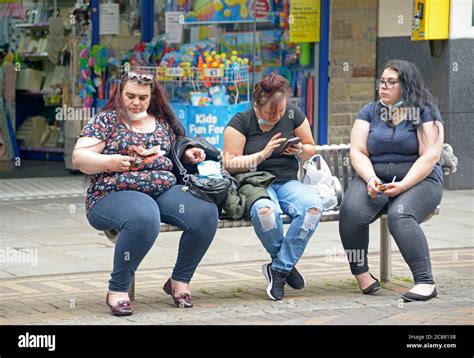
(137, 216)
(294, 199)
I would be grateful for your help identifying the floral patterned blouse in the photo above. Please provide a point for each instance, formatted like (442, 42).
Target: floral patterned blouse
(150, 174)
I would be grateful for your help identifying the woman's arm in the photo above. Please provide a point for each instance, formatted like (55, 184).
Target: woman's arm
(359, 153)
(88, 157)
(307, 142)
(234, 160)
(360, 156)
(430, 145)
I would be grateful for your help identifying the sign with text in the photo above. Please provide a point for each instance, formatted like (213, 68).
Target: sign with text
(174, 27)
(213, 72)
(305, 21)
(109, 21)
(174, 72)
(209, 123)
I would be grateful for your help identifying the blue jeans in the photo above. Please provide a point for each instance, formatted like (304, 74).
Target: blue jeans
(137, 216)
(292, 198)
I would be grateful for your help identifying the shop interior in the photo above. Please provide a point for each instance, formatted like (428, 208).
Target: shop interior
(60, 60)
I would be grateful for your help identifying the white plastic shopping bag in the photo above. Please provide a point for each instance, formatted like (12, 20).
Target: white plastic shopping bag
(320, 180)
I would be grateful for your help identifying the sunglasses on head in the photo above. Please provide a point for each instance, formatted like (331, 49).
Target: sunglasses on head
(140, 77)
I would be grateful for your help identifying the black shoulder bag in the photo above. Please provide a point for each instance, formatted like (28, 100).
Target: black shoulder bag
(213, 190)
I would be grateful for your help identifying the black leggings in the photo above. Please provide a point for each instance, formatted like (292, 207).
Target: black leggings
(404, 212)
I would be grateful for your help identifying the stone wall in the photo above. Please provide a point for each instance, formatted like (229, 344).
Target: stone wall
(353, 62)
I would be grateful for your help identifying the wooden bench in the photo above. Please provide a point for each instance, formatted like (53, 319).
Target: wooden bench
(338, 159)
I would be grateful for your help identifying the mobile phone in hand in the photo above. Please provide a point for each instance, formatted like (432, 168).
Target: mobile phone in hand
(290, 143)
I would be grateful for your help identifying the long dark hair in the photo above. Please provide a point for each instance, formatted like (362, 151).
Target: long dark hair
(412, 88)
(413, 91)
(159, 105)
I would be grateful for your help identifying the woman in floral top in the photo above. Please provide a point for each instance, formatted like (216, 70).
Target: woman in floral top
(132, 190)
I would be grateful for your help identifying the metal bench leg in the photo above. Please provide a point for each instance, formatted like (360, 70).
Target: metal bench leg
(385, 251)
(131, 290)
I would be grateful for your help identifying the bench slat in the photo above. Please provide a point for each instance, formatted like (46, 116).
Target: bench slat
(330, 215)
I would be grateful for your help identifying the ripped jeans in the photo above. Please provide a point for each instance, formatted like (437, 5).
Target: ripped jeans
(305, 207)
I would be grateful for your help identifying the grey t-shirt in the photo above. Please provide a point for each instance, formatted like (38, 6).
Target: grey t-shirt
(388, 143)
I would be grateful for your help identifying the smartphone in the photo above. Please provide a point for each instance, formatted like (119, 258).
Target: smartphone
(290, 142)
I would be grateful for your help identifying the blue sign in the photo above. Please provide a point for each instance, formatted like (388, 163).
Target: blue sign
(236, 108)
(209, 123)
(181, 112)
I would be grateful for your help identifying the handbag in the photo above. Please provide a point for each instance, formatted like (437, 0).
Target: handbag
(212, 189)
(320, 180)
(448, 161)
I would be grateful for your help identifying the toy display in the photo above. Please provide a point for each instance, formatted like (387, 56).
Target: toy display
(218, 95)
(227, 46)
(88, 89)
(269, 46)
(198, 73)
(212, 72)
(200, 99)
(208, 81)
(247, 44)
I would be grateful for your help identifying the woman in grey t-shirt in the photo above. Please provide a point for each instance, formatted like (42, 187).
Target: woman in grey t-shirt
(395, 148)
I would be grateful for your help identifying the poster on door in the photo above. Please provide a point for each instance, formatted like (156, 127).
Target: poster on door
(305, 21)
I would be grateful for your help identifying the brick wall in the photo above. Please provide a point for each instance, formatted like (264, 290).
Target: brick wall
(353, 58)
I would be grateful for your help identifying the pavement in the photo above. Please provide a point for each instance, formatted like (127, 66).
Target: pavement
(54, 270)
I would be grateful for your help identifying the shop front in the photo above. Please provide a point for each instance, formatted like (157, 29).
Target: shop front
(64, 58)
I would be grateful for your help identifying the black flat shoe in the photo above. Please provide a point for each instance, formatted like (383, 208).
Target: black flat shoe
(373, 287)
(411, 297)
